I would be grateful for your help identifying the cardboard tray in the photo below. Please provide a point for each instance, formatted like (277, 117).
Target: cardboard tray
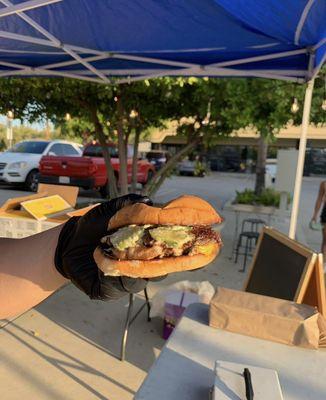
(15, 222)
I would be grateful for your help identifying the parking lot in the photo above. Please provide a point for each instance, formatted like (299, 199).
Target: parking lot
(217, 188)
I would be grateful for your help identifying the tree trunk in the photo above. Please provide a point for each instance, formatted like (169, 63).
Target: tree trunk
(126, 136)
(261, 164)
(154, 184)
(123, 174)
(135, 161)
(112, 184)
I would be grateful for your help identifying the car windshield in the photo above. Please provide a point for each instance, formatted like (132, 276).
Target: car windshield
(96, 151)
(29, 147)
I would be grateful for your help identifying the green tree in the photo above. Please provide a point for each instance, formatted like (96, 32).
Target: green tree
(265, 105)
(93, 106)
(205, 109)
(20, 133)
(196, 105)
(187, 100)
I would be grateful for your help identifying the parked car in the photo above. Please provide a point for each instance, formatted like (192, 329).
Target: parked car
(20, 164)
(217, 164)
(191, 168)
(225, 162)
(89, 171)
(158, 158)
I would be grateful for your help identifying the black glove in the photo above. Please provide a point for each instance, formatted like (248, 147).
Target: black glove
(77, 241)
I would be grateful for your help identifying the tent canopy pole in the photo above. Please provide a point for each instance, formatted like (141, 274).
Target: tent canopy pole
(301, 158)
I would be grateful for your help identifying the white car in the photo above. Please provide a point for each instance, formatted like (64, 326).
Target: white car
(20, 163)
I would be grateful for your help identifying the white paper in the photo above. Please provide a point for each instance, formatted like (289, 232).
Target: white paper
(230, 384)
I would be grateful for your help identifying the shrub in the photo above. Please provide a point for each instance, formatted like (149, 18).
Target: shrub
(200, 169)
(268, 197)
(246, 197)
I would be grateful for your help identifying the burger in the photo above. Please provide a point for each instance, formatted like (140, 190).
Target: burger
(146, 241)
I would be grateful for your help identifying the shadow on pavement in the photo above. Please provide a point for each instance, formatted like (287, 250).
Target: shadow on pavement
(62, 365)
(101, 324)
(80, 340)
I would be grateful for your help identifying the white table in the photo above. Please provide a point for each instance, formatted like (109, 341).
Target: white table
(184, 369)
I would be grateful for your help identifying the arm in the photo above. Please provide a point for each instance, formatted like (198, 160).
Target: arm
(33, 268)
(319, 200)
(27, 271)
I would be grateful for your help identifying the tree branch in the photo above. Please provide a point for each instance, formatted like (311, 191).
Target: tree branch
(112, 184)
(135, 160)
(153, 185)
(123, 174)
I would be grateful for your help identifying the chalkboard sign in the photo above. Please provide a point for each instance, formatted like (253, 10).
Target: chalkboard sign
(281, 267)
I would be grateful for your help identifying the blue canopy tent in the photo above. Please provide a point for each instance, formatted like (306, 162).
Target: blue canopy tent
(131, 40)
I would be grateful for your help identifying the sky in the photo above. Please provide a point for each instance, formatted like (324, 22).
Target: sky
(17, 122)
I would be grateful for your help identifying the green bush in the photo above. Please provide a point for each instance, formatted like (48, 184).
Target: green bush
(246, 197)
(268, 197)
(200, 169)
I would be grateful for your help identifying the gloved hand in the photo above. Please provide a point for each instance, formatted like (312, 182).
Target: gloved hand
(77, 241)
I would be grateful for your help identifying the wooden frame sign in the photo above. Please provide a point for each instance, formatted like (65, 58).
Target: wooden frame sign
(285, 269)
(315, 294)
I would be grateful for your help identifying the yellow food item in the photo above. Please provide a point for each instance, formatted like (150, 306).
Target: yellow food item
(205, 249)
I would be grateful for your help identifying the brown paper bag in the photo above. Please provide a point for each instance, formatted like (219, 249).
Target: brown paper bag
(267, 318)
(322, 331)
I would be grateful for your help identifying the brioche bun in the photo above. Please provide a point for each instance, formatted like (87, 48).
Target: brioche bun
(152, 268)
(185, 210)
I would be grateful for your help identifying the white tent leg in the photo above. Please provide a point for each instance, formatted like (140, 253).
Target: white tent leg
(301, 158)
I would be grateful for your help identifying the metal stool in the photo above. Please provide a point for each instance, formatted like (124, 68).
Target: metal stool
(130, 320)
(254, 224)
(251, 235)
(251, 241)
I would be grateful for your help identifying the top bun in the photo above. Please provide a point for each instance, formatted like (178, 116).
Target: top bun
(185, 210)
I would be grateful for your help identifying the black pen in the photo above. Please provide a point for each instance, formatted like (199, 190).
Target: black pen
(248, 383)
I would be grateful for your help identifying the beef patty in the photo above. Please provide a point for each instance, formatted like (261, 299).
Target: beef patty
(148, 248)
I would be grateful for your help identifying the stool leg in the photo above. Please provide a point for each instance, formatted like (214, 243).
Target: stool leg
(250, 246)
(236, 230)
(237, 249)
(148, 305)
(125, 334)
(245, 256)
(254, 244)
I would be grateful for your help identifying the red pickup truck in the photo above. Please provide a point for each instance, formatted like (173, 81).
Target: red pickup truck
(89, 171)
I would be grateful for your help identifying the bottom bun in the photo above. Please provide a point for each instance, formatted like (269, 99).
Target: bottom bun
(152, 268)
